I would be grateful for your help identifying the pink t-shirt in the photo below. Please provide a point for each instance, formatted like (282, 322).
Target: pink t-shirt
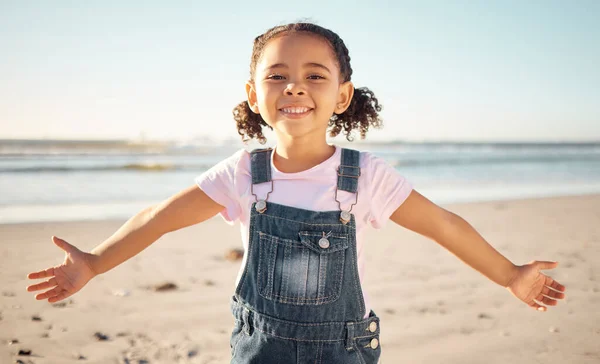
(381, 190)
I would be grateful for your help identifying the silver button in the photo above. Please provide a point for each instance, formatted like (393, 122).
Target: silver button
(374, 343)
(324, 243)
(345, 217)
(373, 326)
(261, 206)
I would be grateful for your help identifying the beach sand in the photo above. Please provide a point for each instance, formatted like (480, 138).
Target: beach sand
(433, 307)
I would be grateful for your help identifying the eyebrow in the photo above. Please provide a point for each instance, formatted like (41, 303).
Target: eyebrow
(309, 64)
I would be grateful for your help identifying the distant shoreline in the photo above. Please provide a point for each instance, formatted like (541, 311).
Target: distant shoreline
(156, 142)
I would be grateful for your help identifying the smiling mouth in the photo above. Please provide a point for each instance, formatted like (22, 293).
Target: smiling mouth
(295, 112)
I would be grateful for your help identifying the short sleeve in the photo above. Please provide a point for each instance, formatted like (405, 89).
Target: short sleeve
(388, 188)
(219, 183)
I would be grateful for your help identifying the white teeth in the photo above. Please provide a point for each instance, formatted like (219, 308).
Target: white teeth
(295, 110)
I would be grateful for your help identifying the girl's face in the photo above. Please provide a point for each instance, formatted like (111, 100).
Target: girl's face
(297, 86)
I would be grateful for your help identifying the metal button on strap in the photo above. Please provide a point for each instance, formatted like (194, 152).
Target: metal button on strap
(261, 206)
(374, 343)
(345, 217)
(324, 243)
(373, 326)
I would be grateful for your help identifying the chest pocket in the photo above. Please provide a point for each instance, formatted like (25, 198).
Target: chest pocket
(306, 271)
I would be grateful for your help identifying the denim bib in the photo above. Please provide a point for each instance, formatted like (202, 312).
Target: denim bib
(299, 299)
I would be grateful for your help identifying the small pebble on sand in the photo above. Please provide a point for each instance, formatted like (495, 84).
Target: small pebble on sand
(163, 287)
(24, 352)
(234, 255)
(100, 336)
(122, 293)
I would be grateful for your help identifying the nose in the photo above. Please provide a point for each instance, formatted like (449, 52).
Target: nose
(294, 89)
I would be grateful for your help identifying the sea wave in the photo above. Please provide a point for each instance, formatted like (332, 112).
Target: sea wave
(474, 160)
(428, 160)
(34, 148)
(154, 167)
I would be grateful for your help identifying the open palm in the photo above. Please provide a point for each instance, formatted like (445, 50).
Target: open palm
(65, 279)
(529, 284)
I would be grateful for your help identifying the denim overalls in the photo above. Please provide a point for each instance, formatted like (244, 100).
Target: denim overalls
(299, 299)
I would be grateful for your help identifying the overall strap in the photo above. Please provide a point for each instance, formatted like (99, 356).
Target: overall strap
(349, 170)
(260, 165)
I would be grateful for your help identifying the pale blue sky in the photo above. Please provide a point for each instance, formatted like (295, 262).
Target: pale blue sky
(444, 70)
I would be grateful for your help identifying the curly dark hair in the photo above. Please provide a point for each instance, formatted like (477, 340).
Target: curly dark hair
(362, 112)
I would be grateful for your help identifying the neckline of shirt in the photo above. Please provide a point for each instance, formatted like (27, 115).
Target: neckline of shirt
(334, 156)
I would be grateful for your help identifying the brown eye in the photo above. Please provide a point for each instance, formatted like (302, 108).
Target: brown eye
(316, 77)
(275, 77)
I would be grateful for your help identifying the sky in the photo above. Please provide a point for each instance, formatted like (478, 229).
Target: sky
(443, 70)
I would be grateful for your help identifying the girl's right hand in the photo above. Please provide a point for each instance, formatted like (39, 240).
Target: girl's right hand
(65, 279)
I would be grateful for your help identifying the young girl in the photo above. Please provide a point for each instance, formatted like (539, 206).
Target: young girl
(303, 206)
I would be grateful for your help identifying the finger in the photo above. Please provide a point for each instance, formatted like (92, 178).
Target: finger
(551, 293)
(546, 265)
(554, 284)
(536, 306)
(62, 244)
(48, 284)
(546, 300)
(61, 296)
(51, 293)
(42, 274)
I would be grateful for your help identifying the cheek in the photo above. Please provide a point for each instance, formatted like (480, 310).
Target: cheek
(328, 98)
(266, 98)
(265, 95)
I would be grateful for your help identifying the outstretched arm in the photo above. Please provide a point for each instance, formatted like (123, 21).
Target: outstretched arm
(188, 207)
(455, 234)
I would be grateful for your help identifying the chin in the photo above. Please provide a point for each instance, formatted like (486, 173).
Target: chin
(298, 131)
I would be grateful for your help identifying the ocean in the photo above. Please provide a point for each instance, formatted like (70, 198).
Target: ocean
(62, 180)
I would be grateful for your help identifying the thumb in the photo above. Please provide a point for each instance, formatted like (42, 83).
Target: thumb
(546, 265)
(62, 244)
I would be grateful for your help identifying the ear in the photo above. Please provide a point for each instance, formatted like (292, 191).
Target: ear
(251, 94)
(345, 94)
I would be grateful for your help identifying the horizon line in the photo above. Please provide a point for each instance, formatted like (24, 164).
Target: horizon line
(343, 141)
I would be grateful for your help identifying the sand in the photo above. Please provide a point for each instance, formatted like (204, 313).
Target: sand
(433, 307)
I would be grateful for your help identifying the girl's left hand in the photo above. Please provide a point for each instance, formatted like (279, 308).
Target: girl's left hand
(528, 284)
